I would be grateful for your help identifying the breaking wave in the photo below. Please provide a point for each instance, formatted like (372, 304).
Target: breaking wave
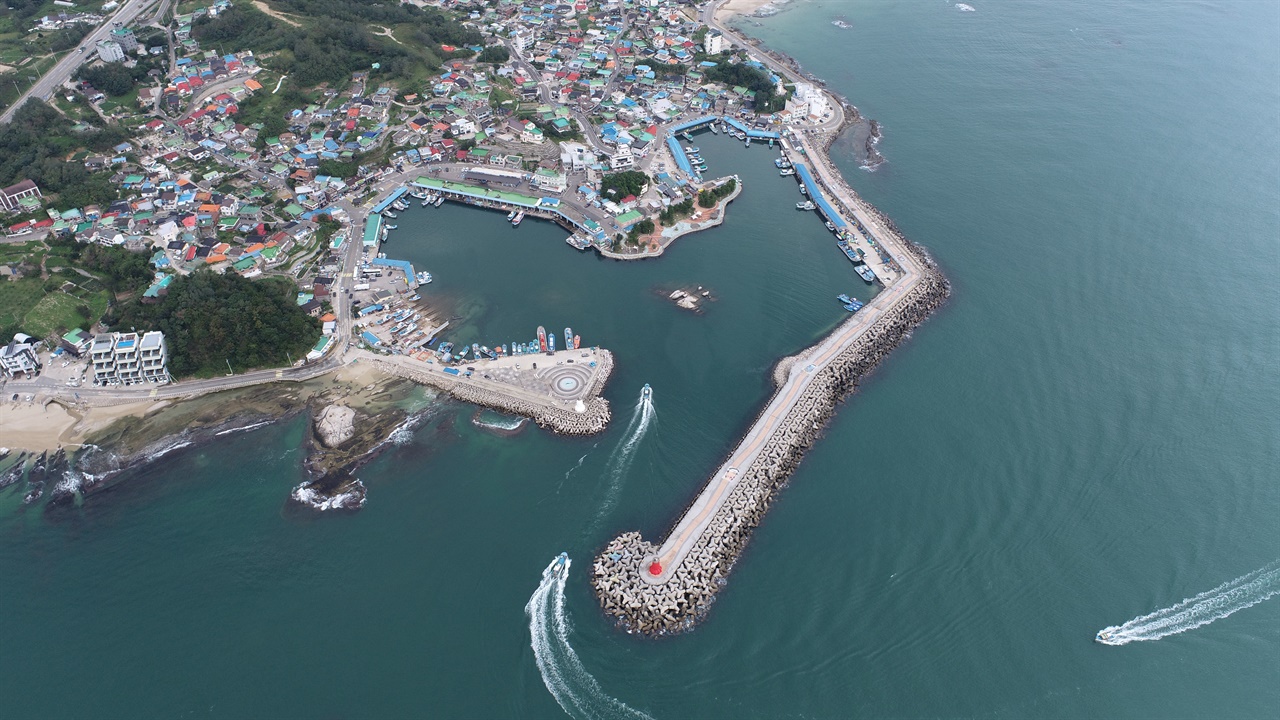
(568, 681)
(1215, 604)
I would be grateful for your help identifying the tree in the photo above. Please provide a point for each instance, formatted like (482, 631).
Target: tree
(210, 319)
(622, 184)
(496, 54)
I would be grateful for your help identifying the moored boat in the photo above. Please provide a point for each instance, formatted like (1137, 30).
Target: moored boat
(439, 201)
(568, 338)
(518, 220)
(577, 341)
(542, 338)
(551, 343)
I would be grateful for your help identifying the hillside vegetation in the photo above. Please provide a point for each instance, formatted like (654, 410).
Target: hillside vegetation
(209, 320)
(339, 37)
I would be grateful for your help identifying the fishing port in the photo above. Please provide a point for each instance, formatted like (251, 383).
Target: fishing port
(664, 588)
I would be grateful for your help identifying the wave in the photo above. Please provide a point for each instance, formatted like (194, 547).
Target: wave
(243, 429)
(642, 418)
(1215, 604)
(508, 425)
(568, 681)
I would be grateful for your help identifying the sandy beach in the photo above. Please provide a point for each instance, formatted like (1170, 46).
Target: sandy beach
(741, 7)
(37, 427)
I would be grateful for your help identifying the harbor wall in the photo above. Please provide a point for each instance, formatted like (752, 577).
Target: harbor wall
(595, 418)
(641, 605)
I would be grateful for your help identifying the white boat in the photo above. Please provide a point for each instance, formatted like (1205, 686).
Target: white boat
(439, 200)
(561, 565)
(646, 392)
(518, 220)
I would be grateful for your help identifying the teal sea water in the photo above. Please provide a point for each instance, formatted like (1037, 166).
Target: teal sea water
(1086, 434)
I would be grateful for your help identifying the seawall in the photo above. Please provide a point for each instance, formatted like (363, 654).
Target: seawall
(666, 588)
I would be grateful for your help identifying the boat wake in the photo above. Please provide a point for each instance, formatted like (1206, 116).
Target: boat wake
(568, 681)
(620, 461)
(1202, 609)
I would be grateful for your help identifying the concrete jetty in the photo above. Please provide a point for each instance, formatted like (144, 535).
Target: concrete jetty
(665, 588)
(561, 394)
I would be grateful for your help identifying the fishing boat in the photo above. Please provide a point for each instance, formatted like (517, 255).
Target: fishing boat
(693, 150)
(805, 205)
(426, 202)
(687, 136)
(502, 351)
(415, 297)
(439, 201)
(844, 299)
(804, 190)
(646, 392)
(577, 341)
(511, 216)
(518, 220)
(418, 195)
(568, 339)
(393, 227)
(787, 172)
(424, 277)
(542, 338)
(715, 129)
(830, 226)
(866, 272)
(390, 215)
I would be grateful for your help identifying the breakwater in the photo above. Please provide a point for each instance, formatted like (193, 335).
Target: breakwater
(663, 589)
(586, 416)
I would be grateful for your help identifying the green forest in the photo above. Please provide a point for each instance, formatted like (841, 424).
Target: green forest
(210, 319)
(335, 40)
(616, 186)
(36, 145)
(751, 78)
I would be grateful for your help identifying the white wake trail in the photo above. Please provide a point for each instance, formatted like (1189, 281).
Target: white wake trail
(568, 681)
(642, 418)
(1227, 598)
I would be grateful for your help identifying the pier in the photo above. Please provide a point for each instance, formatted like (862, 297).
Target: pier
(665, 588)
(558, 391)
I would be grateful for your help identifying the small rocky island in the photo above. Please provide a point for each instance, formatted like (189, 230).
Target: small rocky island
(692, 299)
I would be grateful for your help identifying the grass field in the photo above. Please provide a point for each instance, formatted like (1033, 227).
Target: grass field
(24, 304)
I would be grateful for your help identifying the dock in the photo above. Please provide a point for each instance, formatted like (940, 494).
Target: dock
(665, 588)
(560, 391)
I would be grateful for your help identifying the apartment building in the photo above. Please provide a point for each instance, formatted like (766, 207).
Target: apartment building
(129, 358)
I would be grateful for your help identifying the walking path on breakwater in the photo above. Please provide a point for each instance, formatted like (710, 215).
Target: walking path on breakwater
(559, 392)
(659, 589)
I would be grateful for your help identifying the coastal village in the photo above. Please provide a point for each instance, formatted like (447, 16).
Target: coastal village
(582, 114)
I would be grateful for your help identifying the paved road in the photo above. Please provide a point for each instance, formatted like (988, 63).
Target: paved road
(52, 80)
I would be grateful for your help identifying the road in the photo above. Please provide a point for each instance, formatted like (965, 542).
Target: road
(52, 80)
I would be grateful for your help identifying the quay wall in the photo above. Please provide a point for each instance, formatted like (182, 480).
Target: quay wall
(556, 419)
(673, 606)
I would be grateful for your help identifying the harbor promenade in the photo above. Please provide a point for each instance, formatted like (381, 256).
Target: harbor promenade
(665, 588)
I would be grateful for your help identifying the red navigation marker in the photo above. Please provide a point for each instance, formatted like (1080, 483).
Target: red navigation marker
(655, 568)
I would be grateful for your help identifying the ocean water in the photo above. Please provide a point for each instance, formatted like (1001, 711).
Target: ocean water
(1086, 435)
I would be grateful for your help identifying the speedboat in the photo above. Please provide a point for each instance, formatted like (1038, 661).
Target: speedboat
(1104, 637)
(646, 392)
(561, 565)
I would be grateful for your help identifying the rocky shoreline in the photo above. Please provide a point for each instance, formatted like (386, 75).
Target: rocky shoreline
(676, 605)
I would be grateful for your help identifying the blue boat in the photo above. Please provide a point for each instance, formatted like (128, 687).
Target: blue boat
(844, 299)
(568, 339)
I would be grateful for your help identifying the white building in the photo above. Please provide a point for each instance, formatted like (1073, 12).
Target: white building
(19, 357)
(550, 180)
(110, 51)
(808, 100)
(129, 358)
(622, 158)
(713, 42)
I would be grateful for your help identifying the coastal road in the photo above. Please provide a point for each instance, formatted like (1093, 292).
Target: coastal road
(52, 80)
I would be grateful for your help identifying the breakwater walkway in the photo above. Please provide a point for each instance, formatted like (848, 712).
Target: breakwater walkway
(664, 588)
(559, 392)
